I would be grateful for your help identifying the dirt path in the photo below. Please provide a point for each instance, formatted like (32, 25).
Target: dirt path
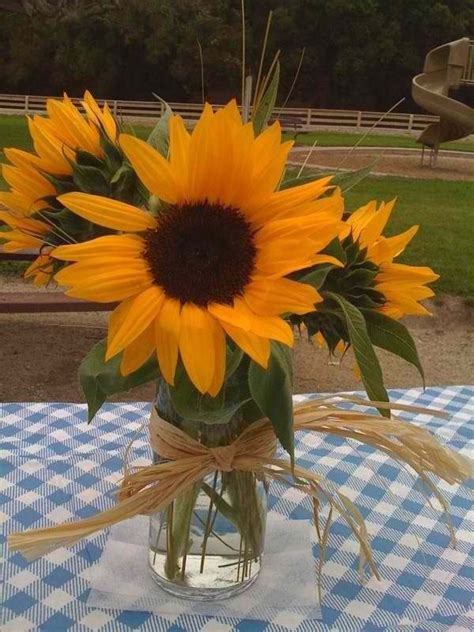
(40, 354)
(399, 162)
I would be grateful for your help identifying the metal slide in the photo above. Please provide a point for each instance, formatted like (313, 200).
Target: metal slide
(448, 67)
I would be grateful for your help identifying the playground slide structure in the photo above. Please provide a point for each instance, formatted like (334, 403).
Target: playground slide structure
(447, 67)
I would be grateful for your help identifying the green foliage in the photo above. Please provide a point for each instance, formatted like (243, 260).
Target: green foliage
(159, 137)
(100, 379)
(393, 336)
(272, 390)
(359, 53)
(190, 404)
(264, 110)
(367, 361)
(345, 180)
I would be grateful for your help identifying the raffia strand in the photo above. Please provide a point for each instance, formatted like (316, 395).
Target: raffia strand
(148, 489)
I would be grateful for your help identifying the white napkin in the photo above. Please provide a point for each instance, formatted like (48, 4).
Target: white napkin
(285, 593)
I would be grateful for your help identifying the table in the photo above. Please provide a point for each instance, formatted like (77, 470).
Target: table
(55, 467)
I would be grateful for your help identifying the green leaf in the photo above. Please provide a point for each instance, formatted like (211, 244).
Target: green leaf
(159, 136)
(335, 249)
(272, 390)
(364, 353)
(317, 276)
(90, 180)
(348, 179)
(84, 158)
(391, 335)
(100, 379)
(265, 107)
(343, 179)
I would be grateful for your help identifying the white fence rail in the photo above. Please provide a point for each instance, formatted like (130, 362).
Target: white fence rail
(292, 119)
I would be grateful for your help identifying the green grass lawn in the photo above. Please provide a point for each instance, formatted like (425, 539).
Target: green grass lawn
(14, 133)
(442, 208)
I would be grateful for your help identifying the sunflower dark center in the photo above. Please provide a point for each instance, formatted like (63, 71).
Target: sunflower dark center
(201, 253)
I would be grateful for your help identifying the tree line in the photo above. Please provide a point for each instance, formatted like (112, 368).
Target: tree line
(359, 54)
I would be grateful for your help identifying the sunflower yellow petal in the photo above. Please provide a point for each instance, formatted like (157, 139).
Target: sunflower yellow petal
(197, 345)
(387, 248)
(219, 347)
(142, 311)
(374, 227)
(254, 346)
(138, 352)
(167, 328)
(152, 169)
(107, 212)
(111, 286)
(271, 297)
(110, 245)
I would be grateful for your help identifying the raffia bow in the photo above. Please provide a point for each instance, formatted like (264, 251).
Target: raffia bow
(146, 490)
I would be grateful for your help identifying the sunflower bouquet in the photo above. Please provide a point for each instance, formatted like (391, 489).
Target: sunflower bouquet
(212, 256)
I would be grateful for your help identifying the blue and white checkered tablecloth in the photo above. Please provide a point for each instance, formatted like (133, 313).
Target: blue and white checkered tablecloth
(55, 467)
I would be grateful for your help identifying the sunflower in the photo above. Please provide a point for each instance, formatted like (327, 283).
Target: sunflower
(213, 262)
(400, 286)
(57, 136)
(28, 234)
(56, 139)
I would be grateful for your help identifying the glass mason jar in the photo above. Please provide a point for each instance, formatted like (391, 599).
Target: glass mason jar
(208, 543)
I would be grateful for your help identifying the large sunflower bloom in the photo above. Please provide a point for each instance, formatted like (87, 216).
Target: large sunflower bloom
(401, 286)
(213, 262)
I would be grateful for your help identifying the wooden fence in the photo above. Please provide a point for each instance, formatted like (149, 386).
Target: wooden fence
(292, 119)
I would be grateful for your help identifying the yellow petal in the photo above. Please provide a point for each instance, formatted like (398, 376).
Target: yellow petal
(19, 240)
(108, 287)
(235, 314)
(196, 345)
(358, 219)
(219, 347)
(271, 297)
(141, 313)
(285, 201)
(138, 352)
(374, 227)
(167, 328)
(110, 245)
(26, 224)
(179, 154)
(16, 202)
(254, 346)
(28, 181)
(387, 248)
(152, 169)
(102, 118)
(107, 212)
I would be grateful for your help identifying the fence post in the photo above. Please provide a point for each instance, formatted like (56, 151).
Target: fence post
(308, 118)
(410, 122)
(27, 103)
(359, 119)
(114, 107)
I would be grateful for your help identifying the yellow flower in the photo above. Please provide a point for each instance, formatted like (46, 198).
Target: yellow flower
(28, 234)
(402, 286)
(57, 136)
(27, 187)
(213, 263)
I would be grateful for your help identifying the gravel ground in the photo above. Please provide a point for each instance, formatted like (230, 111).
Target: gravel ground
(40, 354)
(400, 162)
